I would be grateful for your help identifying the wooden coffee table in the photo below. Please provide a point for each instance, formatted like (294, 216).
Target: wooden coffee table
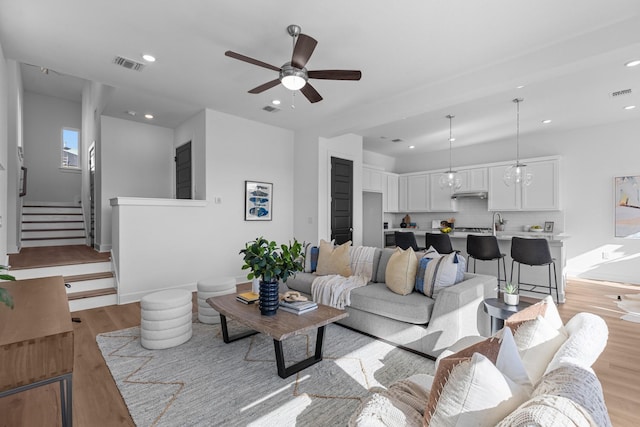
(279, 327)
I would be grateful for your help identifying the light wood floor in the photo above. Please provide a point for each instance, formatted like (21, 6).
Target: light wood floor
(51, 256)
(97, 402)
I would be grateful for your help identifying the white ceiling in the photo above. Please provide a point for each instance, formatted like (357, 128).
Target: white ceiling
(420, 60)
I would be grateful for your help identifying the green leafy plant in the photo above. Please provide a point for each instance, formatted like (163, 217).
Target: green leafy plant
(271, 262)
(511, 288)
(5, 296)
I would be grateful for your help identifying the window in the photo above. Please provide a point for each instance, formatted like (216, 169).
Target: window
(70, 148)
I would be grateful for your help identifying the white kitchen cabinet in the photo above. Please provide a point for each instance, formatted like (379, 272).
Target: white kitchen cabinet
(417, 193)
(390, 192)
(403, 182)
(475, 179)
(541, 195)
(440, 198)
(372, 179)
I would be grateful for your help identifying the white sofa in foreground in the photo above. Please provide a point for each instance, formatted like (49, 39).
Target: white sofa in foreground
(559, 388)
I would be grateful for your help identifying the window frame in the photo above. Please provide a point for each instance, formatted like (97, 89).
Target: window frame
(61, 165)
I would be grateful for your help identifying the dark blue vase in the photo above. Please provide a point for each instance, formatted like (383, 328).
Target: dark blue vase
(269, 298)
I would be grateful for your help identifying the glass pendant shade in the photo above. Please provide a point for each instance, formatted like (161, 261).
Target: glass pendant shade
(517, 174)
(450, 179)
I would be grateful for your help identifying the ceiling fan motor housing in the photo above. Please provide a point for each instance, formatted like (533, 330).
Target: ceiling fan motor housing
(292, 75)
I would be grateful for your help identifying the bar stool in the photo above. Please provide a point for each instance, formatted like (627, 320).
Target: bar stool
(440, 242)
(406, 240)
(533, 252)
(485, 248)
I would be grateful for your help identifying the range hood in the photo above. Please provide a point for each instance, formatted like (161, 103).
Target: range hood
(469, 194)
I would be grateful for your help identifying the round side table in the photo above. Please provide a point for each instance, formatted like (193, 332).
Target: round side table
(499, 311)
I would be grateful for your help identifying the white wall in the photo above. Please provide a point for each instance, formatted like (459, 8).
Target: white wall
(184, 241)
(305, 166)
(15, 99)
(387, 163)
(3, 156)
(136, 161)
(44, 118)
(591, 158)
(194, 130)
(345, 147)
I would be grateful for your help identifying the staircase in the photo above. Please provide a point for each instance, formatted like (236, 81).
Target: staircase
(52, 224)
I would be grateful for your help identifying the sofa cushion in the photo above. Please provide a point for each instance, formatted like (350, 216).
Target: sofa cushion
(377, 298)
(334, 260)
(475, 393)
(381, 272)
(547, 410)
(401, 271)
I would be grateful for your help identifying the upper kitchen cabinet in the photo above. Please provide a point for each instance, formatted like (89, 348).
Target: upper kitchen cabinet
(390, 192)
(403, 193)
(417, 193)
(440, 198)
(543, 194)
(474, 179)
(372, 179)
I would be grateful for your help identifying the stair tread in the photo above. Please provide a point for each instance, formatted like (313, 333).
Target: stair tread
(49, 206)
(44, 221)
(88, 276)
(51, 229)
(90, 294)
(54, 238)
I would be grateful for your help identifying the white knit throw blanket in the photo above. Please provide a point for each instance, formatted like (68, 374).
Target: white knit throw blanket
(335, 290)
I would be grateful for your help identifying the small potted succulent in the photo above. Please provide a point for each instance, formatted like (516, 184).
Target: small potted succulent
(510, 294)
(271, 263)
(5, 296)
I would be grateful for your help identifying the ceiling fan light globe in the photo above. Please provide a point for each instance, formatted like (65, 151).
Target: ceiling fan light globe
(293, 82)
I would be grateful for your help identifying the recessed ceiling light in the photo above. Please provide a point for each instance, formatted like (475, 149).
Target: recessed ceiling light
(412, 146)
(632, 63)
(131, 113)
(149, 58)
(276, 102)
(629, 107)
(546, 121)
(519, 87)
(148, 116)
(451, 139)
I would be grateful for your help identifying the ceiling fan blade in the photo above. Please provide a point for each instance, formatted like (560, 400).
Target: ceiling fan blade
(303, 50)
(234, 55)
(335, 74)
(311, 94)
(265, 86)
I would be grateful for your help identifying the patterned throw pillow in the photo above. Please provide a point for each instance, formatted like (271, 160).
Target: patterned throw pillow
(437, 271)
(479, 385)
(311, 258)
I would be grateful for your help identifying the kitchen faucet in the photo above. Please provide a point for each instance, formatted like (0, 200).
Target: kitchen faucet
(493, 222)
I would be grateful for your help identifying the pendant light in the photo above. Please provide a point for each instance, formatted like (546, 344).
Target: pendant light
(517, 174)
(450, 179)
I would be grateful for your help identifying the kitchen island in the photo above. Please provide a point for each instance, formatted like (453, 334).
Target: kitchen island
(537, 275)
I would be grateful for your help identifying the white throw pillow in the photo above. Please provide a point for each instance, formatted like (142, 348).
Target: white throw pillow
(476, 394)
(401, 271)
(537, 341)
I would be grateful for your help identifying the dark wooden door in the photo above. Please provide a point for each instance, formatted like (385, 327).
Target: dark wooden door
(183, 171)
(341, 200)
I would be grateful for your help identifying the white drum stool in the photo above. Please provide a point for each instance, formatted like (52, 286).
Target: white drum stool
(166, 319)
(213, 287)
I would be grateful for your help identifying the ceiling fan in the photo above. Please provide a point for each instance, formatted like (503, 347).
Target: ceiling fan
(293, 74)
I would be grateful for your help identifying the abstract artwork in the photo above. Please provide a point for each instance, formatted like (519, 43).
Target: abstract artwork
(257, 202)
(627, 207)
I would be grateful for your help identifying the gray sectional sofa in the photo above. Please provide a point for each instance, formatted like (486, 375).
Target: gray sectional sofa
(414, 321)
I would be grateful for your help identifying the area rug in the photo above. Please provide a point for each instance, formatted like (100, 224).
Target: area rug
(206, 382)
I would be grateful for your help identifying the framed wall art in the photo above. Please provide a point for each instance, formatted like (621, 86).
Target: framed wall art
(548, 226)
(627, 207)
(258, 201)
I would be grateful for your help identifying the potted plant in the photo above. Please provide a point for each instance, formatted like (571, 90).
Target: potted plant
(271, 263)
(510, 295)
(5, 296)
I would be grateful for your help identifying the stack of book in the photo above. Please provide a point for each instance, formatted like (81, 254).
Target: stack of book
(298, 307)
(248, 297)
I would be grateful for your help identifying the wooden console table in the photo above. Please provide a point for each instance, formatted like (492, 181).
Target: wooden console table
(36, 340)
